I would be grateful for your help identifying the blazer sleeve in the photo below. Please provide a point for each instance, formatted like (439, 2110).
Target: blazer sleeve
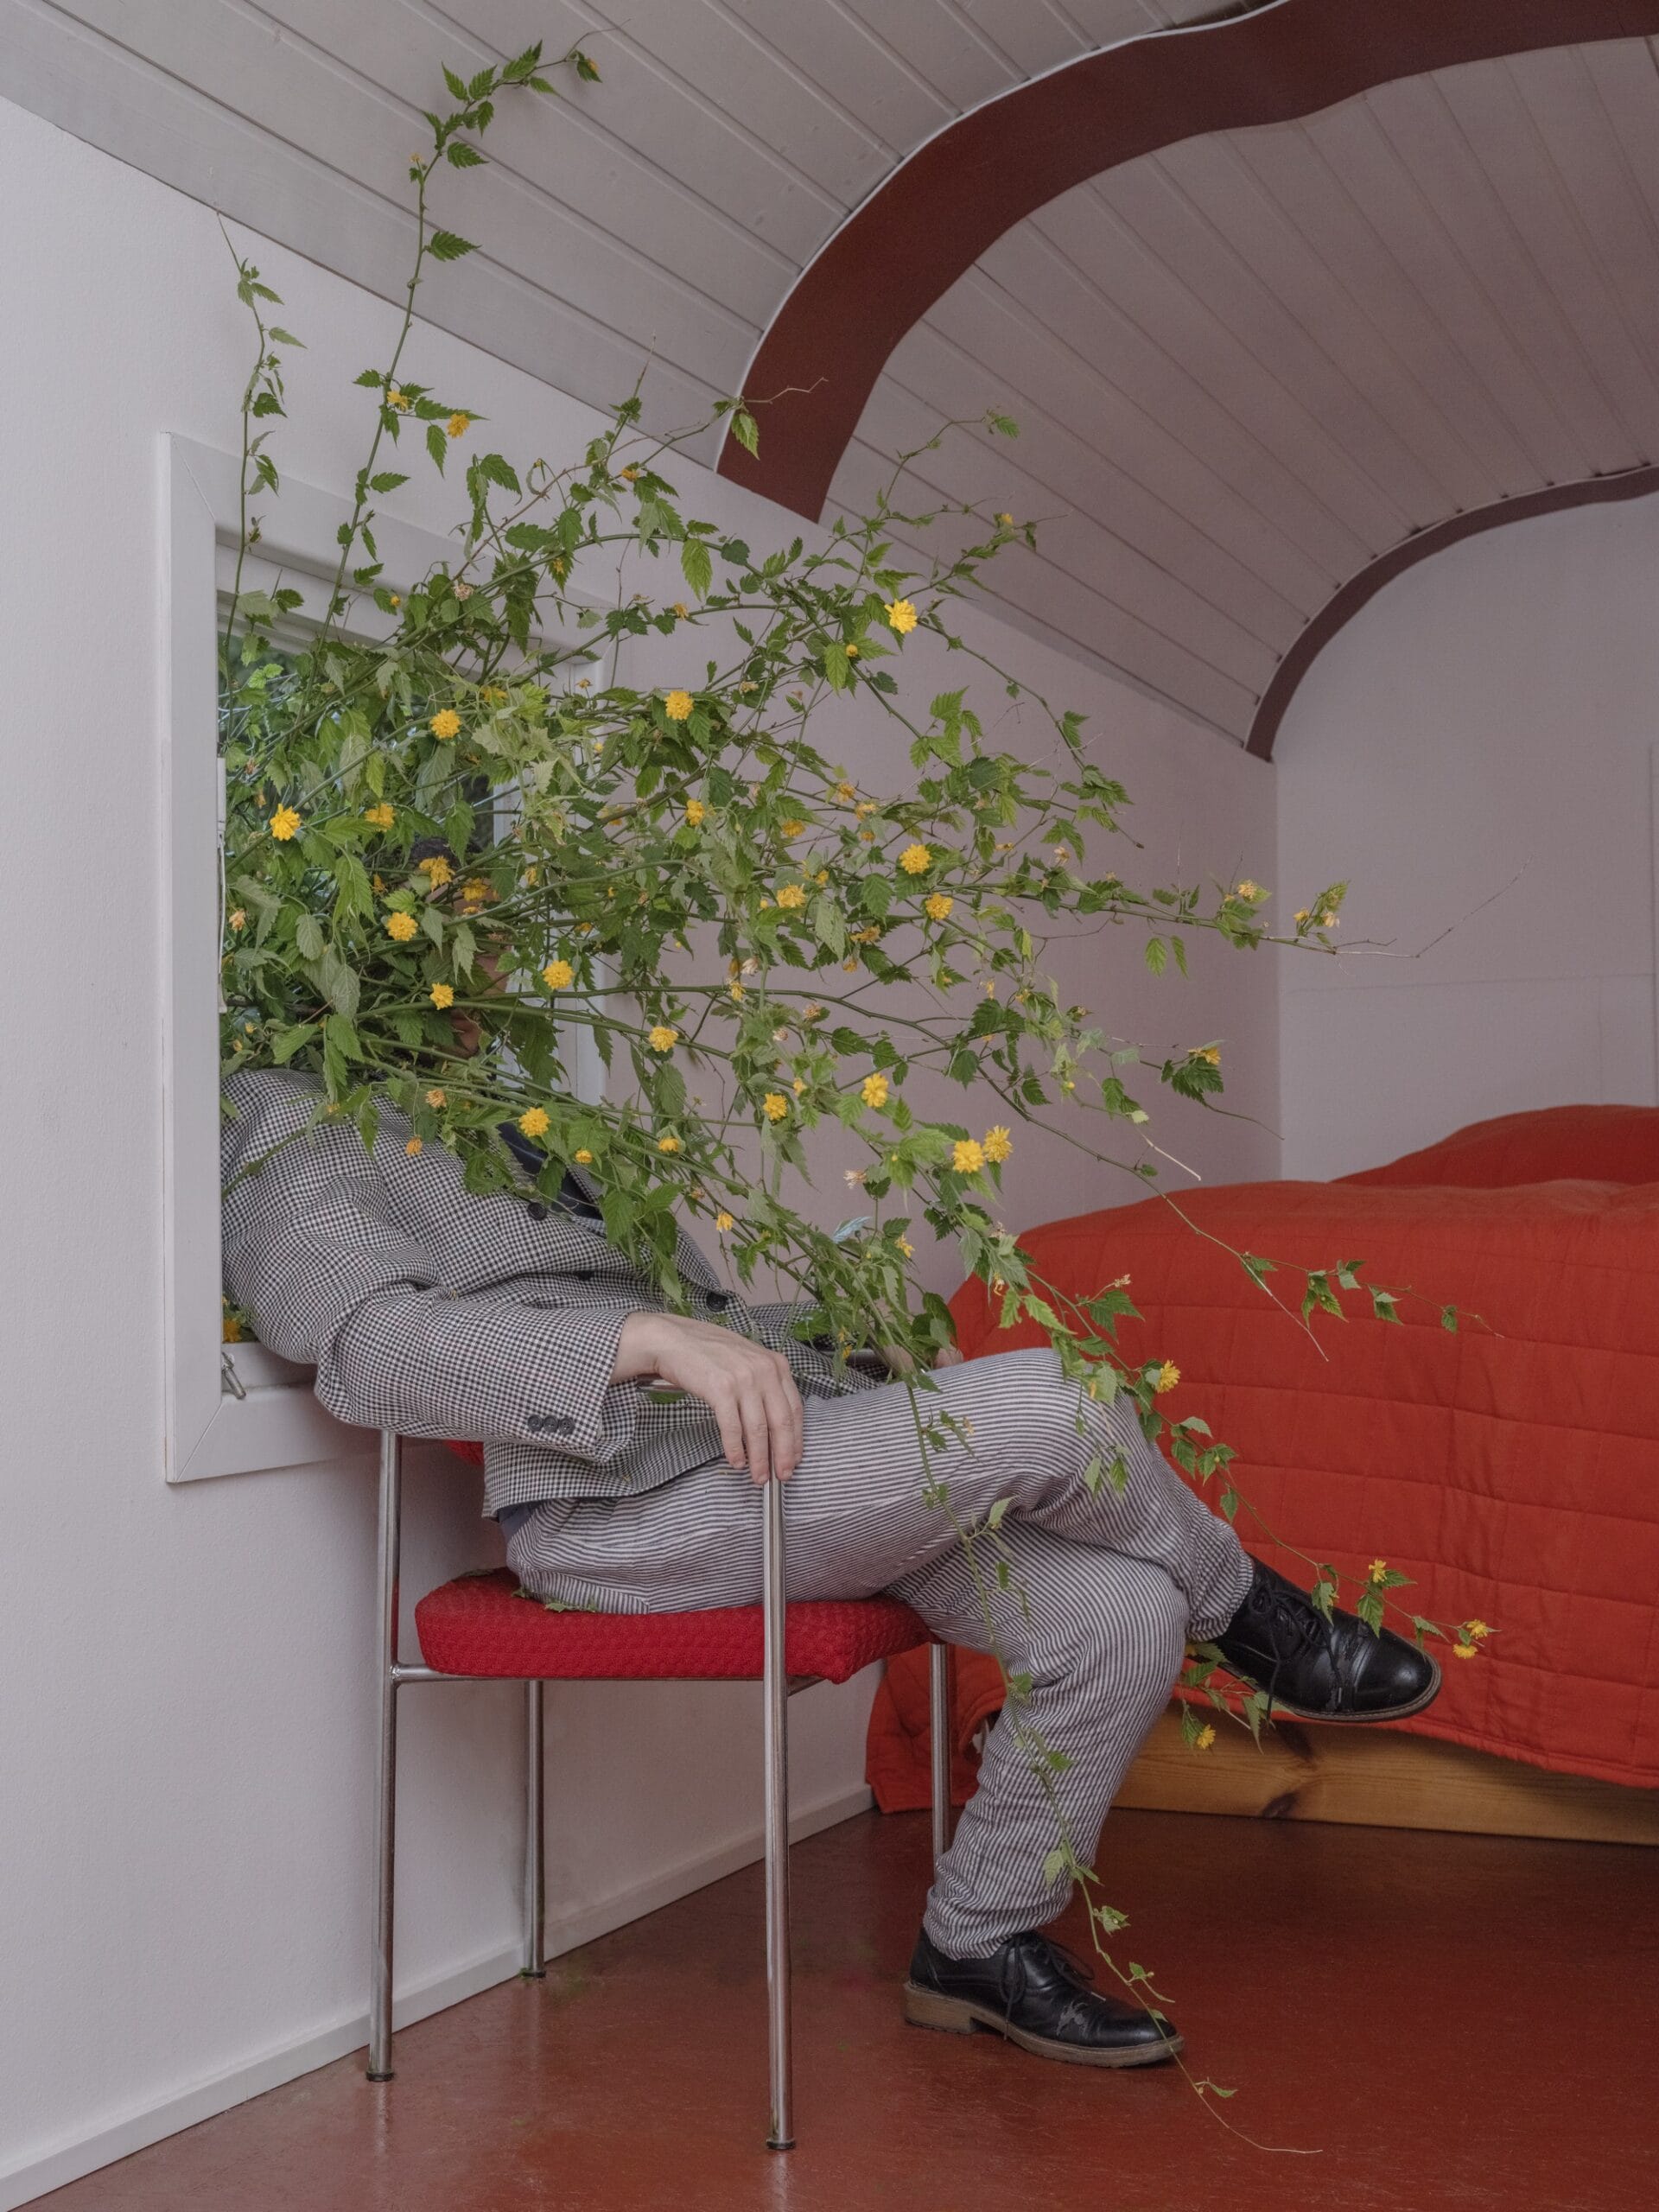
(316, 1252)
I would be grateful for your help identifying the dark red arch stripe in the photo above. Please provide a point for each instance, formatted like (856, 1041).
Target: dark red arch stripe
(1344, 604)
(934, 217)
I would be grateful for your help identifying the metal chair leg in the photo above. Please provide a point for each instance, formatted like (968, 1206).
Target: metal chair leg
(776, 1732)
(938, 1712)
(535, 1963)
(385, 1797)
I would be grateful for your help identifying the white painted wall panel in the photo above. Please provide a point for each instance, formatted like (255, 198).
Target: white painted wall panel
(1475, 752)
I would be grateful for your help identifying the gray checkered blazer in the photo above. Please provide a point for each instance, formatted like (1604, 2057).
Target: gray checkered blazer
(431, 1309)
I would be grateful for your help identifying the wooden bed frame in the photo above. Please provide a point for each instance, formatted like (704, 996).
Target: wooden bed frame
(1379, 1777)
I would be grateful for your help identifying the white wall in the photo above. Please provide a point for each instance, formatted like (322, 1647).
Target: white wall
(1474, 751)
(186, 1724)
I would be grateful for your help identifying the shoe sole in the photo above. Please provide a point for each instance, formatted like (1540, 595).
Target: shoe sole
(959, 2015)
(1352, 1719)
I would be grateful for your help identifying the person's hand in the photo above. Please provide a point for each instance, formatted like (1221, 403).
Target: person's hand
(899, 1361)
(750, 1390)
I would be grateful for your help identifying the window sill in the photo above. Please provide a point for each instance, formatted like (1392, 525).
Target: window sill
(277, 1422)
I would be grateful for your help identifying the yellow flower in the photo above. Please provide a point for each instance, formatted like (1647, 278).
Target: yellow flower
(435, 1098)
(532, 875)
(846, 792)
(583, 1157)
(1251, 891)
(445, 723)
(661, 1038)
(443, 995)
(668, 1144)
(724, 1221)
(901, 615)
(412, 1147)
(938, 906)
(629, 473)
(736, 991)
(791, 894)
(459, 425)
(395, 398)
(1463, 1650)
(968, 1156)
(464, 590)
(680, 608)
(394, 599)
(1476, 1631)
(1300, 915)
(866, 806)
(904, 1245)
(231, 1330)
(812, 1013)
(915, 860)
(381, 816)
(798, 1085)
(873, 1090)
(1328, 920)
(851, 652)
(1378, 1569)
(1169, 1376)
(534, 1121)
(239, 919)
(677, 706)
(696, 812)
(474, 893)
(1209, 1054)
(557, 974)
(774, 1105)
(998, 1144)
(1205, 1737)
(436, 870)
(791, 829)
(401, 927)
(283, 824)
(866, 836)
(1006, 520)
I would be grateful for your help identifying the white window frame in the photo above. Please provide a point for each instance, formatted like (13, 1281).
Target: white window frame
(238, 1409)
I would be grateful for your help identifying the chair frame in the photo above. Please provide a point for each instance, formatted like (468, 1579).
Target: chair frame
(396, 1674)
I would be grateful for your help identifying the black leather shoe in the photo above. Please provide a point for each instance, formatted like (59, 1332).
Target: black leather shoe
(1319, 1669)
(1037, 1995)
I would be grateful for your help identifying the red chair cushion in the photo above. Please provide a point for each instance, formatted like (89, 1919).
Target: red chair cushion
(478, 1624)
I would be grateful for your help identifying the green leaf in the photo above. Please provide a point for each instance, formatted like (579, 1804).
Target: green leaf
(287, 1042)
(445, 246)
(1157, 955)
(387, 481)
(745, 430)
(437, 444)
(309, 937)
(461, 155)
(696, 565)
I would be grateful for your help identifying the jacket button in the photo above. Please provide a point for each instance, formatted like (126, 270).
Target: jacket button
(549, 1424)
(537, 1211)
(720, 1299)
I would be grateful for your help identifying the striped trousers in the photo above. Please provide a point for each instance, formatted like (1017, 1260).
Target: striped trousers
(1104, 1588)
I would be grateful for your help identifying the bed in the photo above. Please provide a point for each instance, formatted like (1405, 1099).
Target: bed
(1510, 1467)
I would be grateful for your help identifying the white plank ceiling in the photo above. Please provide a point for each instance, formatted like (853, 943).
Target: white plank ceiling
(1247, 365)
(1243, 367)
(666, 211)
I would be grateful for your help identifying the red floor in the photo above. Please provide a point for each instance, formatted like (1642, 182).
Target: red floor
(1420, 2022)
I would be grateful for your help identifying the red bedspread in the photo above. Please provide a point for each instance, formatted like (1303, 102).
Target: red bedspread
(1512, 1470)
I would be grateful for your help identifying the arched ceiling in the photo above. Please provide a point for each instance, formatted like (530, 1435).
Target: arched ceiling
(1252, 363)
(1273, 303)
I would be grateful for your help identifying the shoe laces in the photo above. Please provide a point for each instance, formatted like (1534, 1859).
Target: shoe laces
(1293, 1611)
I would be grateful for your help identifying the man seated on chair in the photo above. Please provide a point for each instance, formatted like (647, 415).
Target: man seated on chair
(440, 1313)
